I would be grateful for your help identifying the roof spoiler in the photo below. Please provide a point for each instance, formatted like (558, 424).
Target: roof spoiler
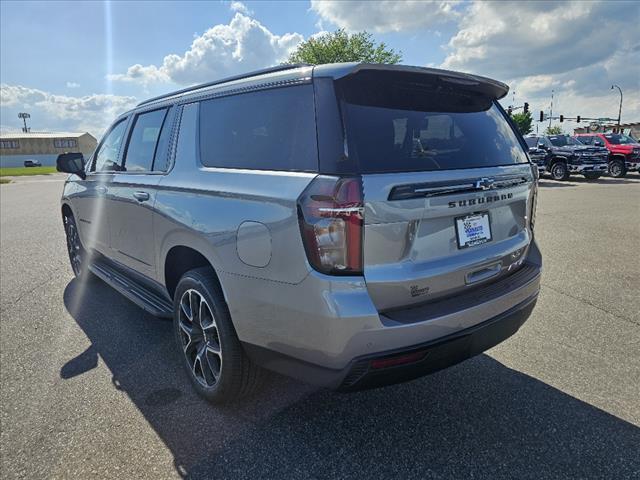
(485, 86)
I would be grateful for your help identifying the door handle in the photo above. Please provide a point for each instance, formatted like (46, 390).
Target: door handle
(141, 196)
(101, 189)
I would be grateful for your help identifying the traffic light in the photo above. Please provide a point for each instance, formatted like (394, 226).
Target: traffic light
(541, 116)
(526, 107)
(578, 119)
(561, 118)
(509, 110)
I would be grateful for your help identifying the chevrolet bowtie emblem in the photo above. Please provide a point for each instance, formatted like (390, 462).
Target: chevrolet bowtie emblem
(485, 183)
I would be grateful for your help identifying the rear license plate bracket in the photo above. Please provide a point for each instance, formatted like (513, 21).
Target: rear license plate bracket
(473, 229)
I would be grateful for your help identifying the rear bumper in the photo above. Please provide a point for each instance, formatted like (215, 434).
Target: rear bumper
(362, 373)
(328, 339)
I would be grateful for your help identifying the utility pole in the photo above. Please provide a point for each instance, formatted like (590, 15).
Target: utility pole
(24, 116)
(620, 108)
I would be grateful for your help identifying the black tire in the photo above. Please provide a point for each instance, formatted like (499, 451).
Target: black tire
(78, 256)
(208, 345)
(617, 169)
(592, 175)
(560, 171)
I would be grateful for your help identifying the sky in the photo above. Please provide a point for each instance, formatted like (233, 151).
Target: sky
(74, 66)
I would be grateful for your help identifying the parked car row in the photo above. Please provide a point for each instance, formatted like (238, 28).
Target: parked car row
(591, 155)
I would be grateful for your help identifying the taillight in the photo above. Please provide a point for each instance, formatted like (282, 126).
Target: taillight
(331, 221)
(534, 197)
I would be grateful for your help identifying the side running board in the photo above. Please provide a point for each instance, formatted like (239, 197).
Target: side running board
(134, 291)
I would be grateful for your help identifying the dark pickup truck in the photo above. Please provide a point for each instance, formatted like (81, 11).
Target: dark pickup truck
(561, 156)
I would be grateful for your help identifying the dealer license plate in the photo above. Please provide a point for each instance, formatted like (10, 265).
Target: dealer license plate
(473, 230)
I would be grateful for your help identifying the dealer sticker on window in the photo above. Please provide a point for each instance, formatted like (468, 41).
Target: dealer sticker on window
(473, 230)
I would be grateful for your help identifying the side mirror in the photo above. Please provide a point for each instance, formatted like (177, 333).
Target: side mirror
(541, 146)
(71, 163)
(598, 143)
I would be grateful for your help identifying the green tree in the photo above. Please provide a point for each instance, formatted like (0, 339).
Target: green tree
(555, 130)
(339, 46)
(523, 122)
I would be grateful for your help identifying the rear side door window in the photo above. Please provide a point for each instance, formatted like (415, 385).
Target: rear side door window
(144, 144)
(106, 158)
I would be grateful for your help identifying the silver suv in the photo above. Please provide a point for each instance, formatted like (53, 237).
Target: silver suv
(350, 225)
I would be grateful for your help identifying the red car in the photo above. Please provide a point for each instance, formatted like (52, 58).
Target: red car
(624, 151)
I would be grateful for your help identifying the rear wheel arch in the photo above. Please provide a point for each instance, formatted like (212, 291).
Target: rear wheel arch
(179, 260)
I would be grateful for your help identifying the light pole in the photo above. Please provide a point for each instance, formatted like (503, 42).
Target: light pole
(620, 108)
(24, 116)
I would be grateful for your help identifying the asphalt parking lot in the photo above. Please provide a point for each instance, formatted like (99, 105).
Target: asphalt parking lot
(91, 385)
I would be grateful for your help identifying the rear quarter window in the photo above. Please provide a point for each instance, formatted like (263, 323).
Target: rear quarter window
(264, 130)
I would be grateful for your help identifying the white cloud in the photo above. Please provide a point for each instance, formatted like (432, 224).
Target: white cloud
(240, 7)
(385, 15)
(577, 49)
(242, 45)
(91, 113)
(72, 85)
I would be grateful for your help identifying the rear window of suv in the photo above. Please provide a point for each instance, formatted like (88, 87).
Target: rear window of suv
(396, 126)
(270, 129)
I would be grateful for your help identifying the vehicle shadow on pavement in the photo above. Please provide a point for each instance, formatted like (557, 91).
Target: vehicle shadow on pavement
(477, 419)
(628, 180)
(553, 184)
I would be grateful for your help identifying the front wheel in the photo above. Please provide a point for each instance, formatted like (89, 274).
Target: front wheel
(617, 169)
(592, 175)
(78, 256)
(209, 347)
(560, 171)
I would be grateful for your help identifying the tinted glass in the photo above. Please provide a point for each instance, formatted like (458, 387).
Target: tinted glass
(267, 130)
(563, 140)
(531, 141)
(397, 123)
(585, 140)
(618, 139)
(107, 155)
(388, 139)
(143, 140)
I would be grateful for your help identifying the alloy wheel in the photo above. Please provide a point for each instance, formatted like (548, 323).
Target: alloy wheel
(200, 338)
(74, 247)
(615, 169)
(558, 172)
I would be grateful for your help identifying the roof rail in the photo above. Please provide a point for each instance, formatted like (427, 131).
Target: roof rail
(255, 73)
